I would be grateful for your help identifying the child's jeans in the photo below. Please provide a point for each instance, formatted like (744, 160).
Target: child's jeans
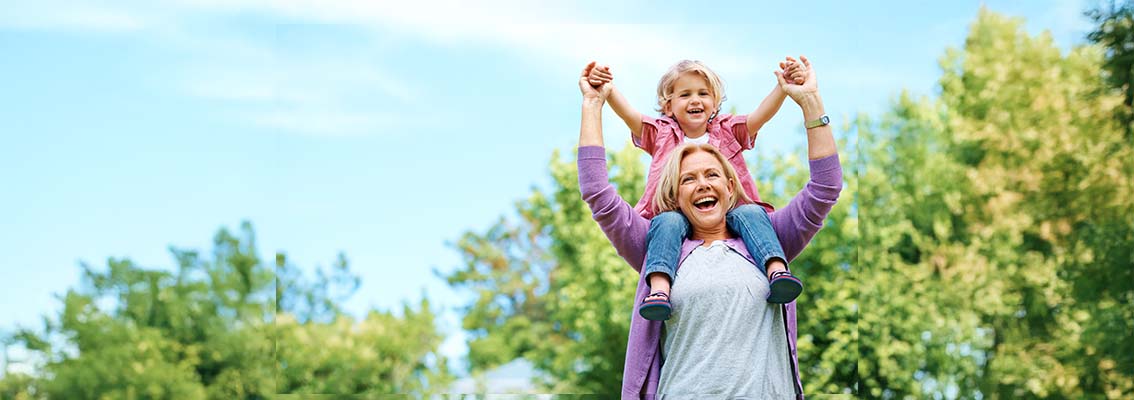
(668, 231)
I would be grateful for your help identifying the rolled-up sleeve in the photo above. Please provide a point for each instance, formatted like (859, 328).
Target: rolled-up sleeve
(737, 125)
(648, 141)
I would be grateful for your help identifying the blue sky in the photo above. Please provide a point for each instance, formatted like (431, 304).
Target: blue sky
(382, 130)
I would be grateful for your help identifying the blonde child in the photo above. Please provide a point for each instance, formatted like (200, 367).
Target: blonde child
(689, 97)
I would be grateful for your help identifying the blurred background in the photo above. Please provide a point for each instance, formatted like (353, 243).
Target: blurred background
(240, 199)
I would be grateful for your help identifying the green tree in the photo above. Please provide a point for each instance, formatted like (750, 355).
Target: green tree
(223, 327)
(1051, 182)
(550, 288)
(828, 310)
(17, 386)
(320, 349)
(379, 354)
(918, 330)
(997, 228)
(1115, 33)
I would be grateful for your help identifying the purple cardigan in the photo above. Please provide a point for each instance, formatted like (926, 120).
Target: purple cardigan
(795, 225)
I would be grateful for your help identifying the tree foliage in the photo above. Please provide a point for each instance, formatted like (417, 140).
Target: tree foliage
(997, 228)
(828, 311)
(550, 288)
(1114, 31)
(222, 327)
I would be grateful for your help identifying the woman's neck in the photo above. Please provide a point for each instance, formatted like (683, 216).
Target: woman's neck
(710, 235)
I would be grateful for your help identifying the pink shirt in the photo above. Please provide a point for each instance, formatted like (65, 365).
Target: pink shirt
(727, 132)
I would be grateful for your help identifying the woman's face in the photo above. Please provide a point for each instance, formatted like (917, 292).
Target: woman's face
(703, 191)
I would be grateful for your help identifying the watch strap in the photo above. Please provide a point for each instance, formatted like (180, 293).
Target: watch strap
(815, 123)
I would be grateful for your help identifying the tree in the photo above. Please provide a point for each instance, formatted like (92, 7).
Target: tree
(224, 327)
(1051, 179)
(1115, 33)
(380, 354)
(997, 219)
(916, 279)
(550, 288)
(828, 310)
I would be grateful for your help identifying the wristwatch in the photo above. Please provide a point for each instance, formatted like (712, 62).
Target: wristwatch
(815, 123)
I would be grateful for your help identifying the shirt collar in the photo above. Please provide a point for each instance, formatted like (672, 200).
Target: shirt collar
(733, 243)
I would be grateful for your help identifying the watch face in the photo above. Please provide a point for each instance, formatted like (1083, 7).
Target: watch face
(823, 120)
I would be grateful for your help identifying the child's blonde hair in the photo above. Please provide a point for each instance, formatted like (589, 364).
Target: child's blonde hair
(665, 85)
(665, 198)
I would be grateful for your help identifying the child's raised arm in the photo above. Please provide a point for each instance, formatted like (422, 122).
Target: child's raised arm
(633, 119)
(771, 103)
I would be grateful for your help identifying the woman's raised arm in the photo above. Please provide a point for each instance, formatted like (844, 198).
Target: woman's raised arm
(625, 229)
(797, 223)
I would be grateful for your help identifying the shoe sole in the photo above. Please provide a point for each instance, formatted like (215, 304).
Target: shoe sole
(784, 290)
(654, 312)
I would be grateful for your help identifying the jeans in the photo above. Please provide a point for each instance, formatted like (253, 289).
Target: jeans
(668, 231)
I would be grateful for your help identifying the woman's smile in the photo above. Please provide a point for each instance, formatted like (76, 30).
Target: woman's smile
(706, 203)
(702, 187)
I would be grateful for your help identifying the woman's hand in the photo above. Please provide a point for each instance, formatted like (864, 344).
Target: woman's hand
(820, 139)
(589, 92)
(800, 93)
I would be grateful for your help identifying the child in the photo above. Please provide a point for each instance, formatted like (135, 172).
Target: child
(689, 99)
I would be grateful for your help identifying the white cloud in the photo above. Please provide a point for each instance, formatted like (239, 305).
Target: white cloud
(292, 80)
(65, 15)
(553, 36)
(313, 99)
(232, 89)
(251, 73)
(323, 121)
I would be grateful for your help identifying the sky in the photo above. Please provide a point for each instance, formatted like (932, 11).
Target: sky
(381, 130)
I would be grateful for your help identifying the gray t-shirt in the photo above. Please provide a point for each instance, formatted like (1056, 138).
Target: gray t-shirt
(723, 340)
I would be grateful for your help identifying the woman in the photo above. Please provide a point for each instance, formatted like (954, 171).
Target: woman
(728, 345)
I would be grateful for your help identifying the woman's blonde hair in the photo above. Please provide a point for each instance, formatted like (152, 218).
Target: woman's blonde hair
(665, 84)
(665, 198)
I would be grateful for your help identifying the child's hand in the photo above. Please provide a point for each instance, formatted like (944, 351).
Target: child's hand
(793, 71)
(798, 92)
(599, 75)
(592, 92)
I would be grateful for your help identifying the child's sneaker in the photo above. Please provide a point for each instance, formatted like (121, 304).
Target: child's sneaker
(656, 309)
(783, 287)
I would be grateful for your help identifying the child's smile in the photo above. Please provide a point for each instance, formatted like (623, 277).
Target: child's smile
(691, 103)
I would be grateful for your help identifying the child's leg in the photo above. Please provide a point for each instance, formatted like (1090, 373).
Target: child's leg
(663, 247)
(752, 224)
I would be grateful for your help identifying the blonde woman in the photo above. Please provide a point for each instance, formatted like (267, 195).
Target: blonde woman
(723, 338)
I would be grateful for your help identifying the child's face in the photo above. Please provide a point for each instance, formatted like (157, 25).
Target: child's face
(691, 103)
